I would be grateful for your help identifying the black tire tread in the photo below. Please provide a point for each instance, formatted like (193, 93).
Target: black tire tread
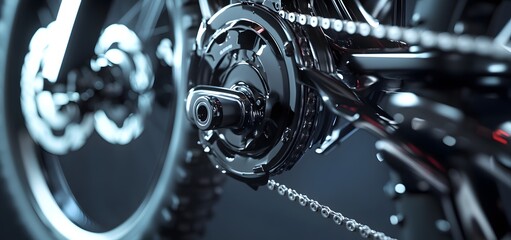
(8, 217)
(199, 183)
(198, 188)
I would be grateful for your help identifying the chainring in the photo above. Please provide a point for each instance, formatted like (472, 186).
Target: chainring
(249, 44)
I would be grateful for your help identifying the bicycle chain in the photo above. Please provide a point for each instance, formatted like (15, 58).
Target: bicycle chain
(465, 44)
(339, 219)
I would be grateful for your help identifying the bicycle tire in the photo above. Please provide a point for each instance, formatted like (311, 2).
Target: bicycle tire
(193, 188)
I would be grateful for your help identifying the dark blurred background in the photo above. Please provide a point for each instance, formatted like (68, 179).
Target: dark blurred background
(349, 179)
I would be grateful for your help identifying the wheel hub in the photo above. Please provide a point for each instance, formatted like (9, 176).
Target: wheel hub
(126, 78)
(113, 95)
(255, 120)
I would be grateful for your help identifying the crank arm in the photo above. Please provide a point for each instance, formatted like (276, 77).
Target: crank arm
(335, 94)
(343, 102)
(341, 131)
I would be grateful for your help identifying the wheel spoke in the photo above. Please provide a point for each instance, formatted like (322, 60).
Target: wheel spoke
(117, 45)
(150, 12)
(57, 48)
(130, 14)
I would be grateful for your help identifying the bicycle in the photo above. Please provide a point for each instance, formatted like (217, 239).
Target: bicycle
(263, 81)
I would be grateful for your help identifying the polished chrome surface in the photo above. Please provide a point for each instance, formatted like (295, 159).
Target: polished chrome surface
(480, 45)
(338, 218)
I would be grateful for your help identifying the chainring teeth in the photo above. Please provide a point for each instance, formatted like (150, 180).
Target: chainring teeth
(304, 138)
(258, 43)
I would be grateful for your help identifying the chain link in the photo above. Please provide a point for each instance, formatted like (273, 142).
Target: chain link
(325, 211)
(465, 44)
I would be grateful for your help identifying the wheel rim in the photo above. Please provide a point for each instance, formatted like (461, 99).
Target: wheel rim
(54, 180)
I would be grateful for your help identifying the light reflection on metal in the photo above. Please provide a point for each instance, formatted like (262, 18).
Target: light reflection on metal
(61, 32)
(490, 81)
(400, 188)
(394, 55)
(470, 209)
(342, 130)
(165, 52)
(418, 124)
(405, 99)
(449, 141)
(505, 34)
(54, 214)
(51, 118)
(448, 111)
(120, 46)
(437, 181)
(501, 136)
(497, 68)
(43, 111)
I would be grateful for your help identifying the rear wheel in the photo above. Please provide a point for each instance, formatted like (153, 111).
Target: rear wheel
(101, 149)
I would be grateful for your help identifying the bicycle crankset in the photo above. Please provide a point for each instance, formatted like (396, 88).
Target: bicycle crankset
(255, 118)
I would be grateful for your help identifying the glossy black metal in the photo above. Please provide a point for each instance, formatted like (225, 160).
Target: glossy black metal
(418, 115)
(340, 131)
(212, 107)
(450, 136)
(421, 114)
(416, 150)
(434, 15)
(353, 10)
(428, 157)
(478, 204)
(335, 94)
(422, 133)
(251, 45)
(344, 102)
(407, 160)
(400, 16)
(411, 202)
(420, 63)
